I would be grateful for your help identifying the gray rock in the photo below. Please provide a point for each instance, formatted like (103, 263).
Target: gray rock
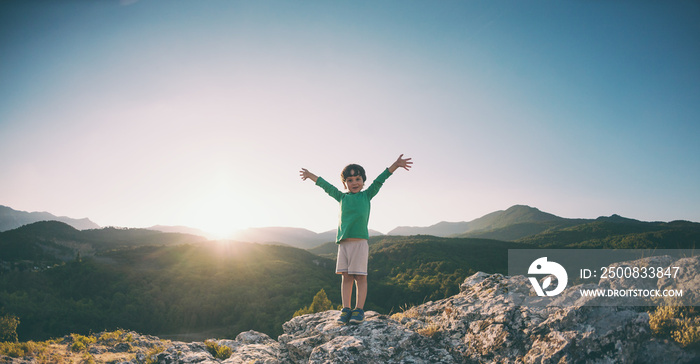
(317, 338)
(183, 353)
(252, 347)
(486, 323)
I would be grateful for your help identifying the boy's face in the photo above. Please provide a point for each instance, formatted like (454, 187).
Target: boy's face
(354, 184)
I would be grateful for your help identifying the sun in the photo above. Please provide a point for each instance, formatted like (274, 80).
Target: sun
(220, 223)
(221, 216)
(217, 209)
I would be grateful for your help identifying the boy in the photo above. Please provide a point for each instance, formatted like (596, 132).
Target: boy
(352, 235)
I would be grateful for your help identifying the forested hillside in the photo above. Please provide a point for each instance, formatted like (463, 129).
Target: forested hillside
(412, 270)
(619, 233)
(59, 280)
(212, 287)
(166, 290)
(46, 243)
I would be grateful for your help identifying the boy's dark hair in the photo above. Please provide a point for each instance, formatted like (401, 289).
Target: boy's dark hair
(352, 170)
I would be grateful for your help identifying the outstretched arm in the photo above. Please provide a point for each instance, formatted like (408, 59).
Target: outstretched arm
(401, 162)
(319, 181)
(304, 173)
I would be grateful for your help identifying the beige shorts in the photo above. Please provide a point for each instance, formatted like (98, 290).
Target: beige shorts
(352, 257)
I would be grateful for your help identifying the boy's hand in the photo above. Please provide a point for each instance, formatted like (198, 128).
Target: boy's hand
(304, 173)
(401, 162)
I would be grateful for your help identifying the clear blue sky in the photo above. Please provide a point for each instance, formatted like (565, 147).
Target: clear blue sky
(201, 113)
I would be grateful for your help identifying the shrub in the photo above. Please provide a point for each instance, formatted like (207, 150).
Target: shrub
(18, 350)
(406, 312)
(429, 330)
(222, 352)
(662, 320)
(77, 346)
(81, 342)
(111, 336)
(688, 334)
(117, 336)
(87, 359)
(152, 354)
(680, 323)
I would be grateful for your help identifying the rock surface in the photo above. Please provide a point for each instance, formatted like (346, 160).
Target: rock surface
(317, 338)
(484, 323)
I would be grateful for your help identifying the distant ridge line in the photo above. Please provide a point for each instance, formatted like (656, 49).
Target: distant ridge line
(12, 219)
(498, 219)
(513, 224)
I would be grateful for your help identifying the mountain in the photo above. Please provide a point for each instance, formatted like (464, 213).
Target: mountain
(518, 214)
(442, 229)
(528, 225)
(282, 235)
(513, 215)
(296, 237)
(179, 229)
(615, 232)
(518, 223)
(50, 242)
(12, 219)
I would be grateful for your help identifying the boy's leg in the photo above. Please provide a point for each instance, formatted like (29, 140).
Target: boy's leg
(346, 295)
(361, 291)
(358, 314)
(346, 289)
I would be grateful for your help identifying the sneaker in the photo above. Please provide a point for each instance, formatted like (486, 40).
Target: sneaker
(358, 315)
(344, 316)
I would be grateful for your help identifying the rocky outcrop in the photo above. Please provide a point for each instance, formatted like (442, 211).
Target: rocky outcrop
(485, 323)
(317, 338)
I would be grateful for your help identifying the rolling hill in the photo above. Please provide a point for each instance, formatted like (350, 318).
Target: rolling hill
(179, 229)
(615, 232)
(518, 214)
(517, 223)
(50, 242)
(529, 225)
(12, 219)
(296, 237)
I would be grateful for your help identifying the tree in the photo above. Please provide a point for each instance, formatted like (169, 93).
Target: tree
(319, 304)
(8, 328)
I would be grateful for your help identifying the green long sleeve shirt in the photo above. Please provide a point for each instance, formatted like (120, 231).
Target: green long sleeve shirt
(354, 207)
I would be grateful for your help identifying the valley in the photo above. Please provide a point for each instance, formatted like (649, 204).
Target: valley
(59, 280)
